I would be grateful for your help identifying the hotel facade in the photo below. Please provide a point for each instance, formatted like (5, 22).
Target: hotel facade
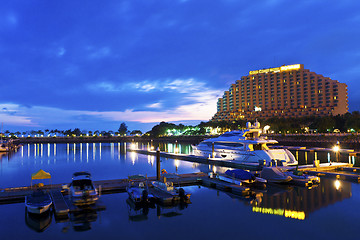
(286, 91)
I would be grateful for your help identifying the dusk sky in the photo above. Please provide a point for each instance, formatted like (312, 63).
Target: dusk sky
(94, 64)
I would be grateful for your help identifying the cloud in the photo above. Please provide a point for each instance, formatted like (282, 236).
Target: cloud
(154, 105)
(98, 53)
(8, 115)
(61, 51)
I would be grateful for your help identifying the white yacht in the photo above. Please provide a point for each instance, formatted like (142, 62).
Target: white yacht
(245, 146)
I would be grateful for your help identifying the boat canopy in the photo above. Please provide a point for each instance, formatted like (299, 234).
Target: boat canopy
(41, 174)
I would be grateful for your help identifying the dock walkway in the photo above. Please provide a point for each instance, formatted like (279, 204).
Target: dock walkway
(61, 208)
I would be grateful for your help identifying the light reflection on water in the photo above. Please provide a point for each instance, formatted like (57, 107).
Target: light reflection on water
(312, 210)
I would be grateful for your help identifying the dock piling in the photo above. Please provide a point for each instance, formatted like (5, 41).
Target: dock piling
(158, 164)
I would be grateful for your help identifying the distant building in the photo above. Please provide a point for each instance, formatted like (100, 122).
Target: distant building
(286, 91)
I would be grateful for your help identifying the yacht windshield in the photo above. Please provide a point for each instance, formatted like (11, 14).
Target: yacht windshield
(229, 134)
(224, 144)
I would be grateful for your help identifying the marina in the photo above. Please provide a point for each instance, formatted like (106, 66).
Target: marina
(193, 176)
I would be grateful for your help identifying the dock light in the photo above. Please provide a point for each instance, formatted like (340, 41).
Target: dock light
(336, 148)
(176, 150)
(132, 146)
(152, 148)
(337, 184)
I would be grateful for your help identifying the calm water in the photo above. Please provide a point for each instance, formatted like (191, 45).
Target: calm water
(329, 211)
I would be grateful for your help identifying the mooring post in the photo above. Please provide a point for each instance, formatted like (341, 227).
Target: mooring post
(213, 150)
(158, 164)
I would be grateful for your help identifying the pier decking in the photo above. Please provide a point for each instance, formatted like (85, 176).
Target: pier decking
(61, 208)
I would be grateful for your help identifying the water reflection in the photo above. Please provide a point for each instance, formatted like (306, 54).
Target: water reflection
(297, 202)
(81, 221)
(38, 223)
(94, 151)
(137, 213)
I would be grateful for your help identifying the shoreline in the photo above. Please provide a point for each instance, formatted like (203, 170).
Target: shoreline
(348, 142)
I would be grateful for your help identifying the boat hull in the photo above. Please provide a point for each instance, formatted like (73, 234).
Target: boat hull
(34, 209)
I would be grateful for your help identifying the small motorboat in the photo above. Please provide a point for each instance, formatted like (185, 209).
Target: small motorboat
(82, 190)
(138, 189)
(274, 175)
(168, 187)
(38, 202)
(246, 178)
(300, 175)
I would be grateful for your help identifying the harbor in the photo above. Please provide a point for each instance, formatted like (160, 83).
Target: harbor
(112, 163)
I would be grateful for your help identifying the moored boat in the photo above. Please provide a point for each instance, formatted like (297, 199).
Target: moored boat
(168, 187)
(247, 178)
(38, 202)
(300, 175)
(246, 147)
(82, 190)
(274, 175)
(138, 190)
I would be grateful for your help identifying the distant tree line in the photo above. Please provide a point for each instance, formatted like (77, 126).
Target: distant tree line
(122, 131)
(349, 122)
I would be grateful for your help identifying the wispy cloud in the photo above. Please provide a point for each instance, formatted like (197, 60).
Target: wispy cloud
(97, 53)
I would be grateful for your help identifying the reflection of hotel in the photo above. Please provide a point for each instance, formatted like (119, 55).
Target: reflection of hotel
(286, 91)
(299, 202)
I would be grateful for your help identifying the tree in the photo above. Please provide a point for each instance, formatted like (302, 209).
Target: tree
(123, 129)
(136, 133)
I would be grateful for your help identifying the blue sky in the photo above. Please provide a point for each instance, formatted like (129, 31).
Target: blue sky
(94, 64)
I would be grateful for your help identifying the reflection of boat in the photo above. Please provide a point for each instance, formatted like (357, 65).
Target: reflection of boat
(82, 189)
(38, 223)
(137, 212)
(275, 175)
(245, 146)
(170, 211)
(39, 201)
(138, 189)
(81, 221)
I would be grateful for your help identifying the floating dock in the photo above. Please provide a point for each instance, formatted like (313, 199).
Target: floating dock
(61, 208)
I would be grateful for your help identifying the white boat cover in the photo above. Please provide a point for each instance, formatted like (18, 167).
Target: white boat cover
(273, 174)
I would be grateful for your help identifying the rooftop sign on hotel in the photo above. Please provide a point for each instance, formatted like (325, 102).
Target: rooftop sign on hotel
(278, 69)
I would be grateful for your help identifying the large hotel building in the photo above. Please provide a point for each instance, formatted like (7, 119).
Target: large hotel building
(286, 91)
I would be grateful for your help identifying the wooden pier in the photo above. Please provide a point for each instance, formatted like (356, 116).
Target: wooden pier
(337, 175)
